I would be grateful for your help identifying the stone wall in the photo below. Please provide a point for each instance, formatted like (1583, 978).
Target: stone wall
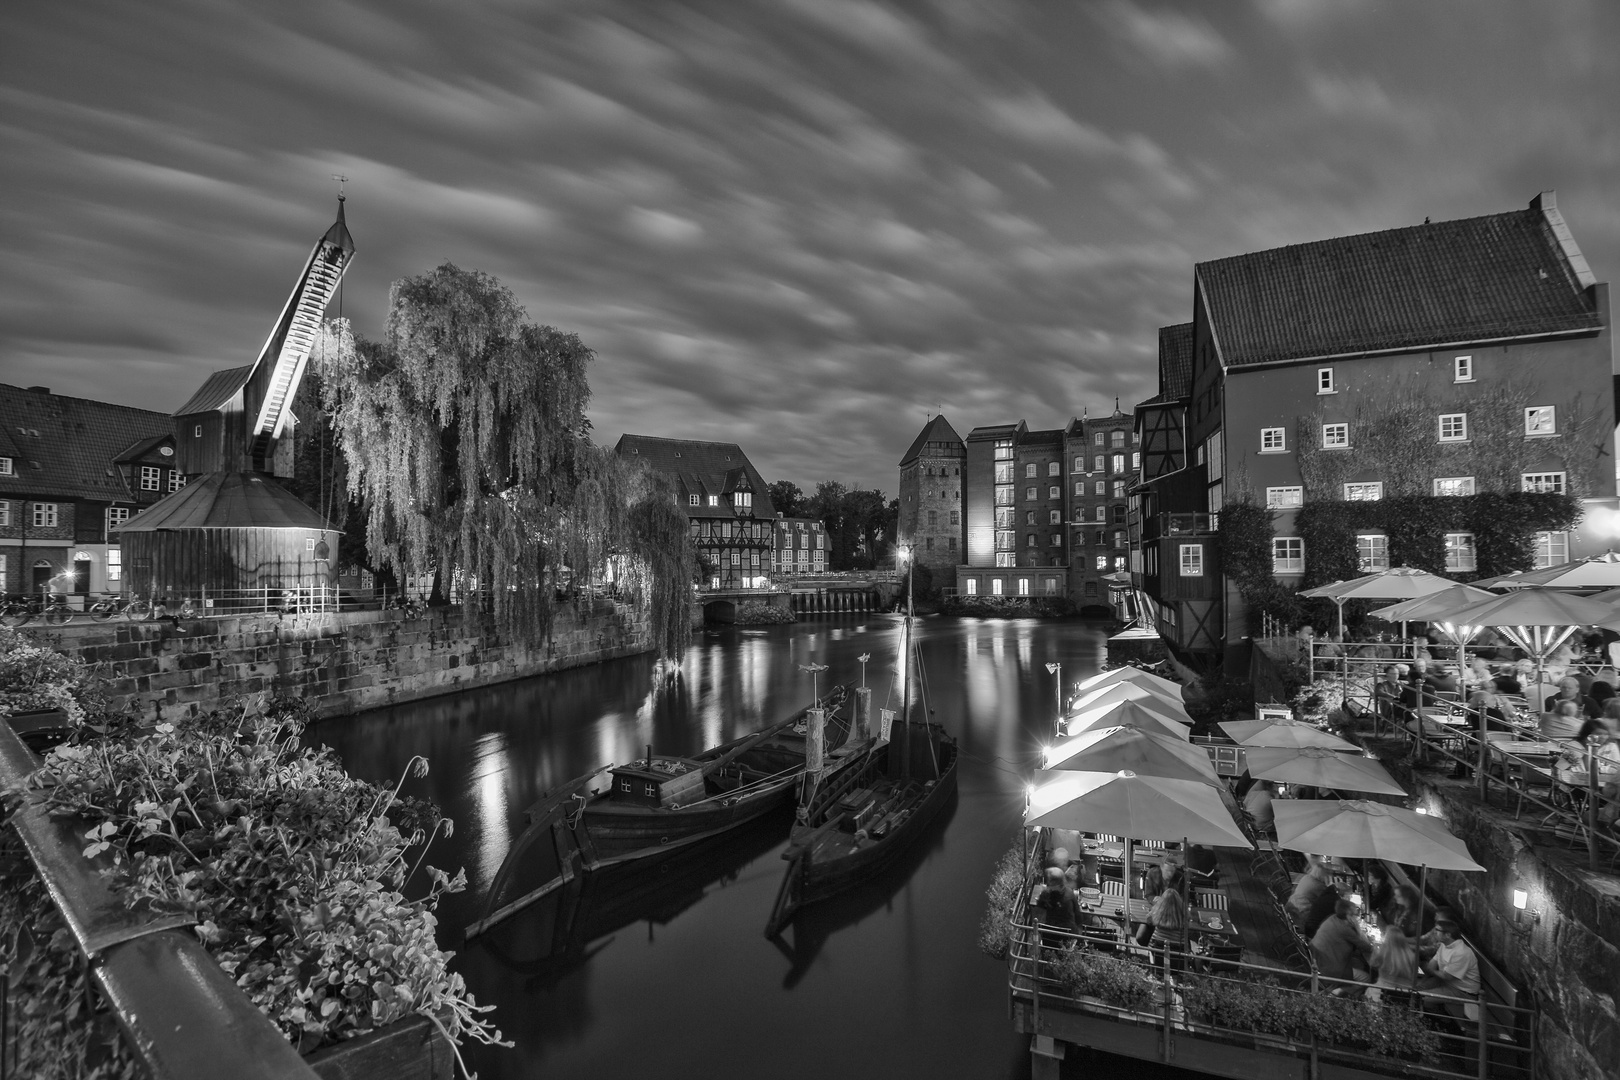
(343, 662)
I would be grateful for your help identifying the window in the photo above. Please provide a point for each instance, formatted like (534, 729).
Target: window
(1283, 498)
(1057, 538)
(1079, 464)
(1099, 538)
(1055, 517)
(692, 500)
(933, 519)
(1215, 457)
(742, 498)
(736, 558)
(1004, 472)
(1544, 482)
(1287, 555)
(116, 515)
(1004, 450)
(1273, 440)
(115, 564)
(1079, 488)
(1136, 460)
(1324, 381)
(995, 586)
(1006, 517)
(1029, 494)
(956, 517)
(1102, 562)
(1372, 552)
(1552, 548)
(1029, 470)
(1005, 558)
(1006, 539)
(1119, 539)
(973, 586)
(1054, 492)
(1100, 487)
(1541, 420)
(951, 543)
(1371, 492)
(1192, 560)
(714, 500)
(1462, 369)
(44, 515)
(177, 479)
(1097, 462)
(1004, 495)
(1119, 463)
(1454, 485)
(1051, 585)
(1101, 513)
(930, 543)
(1097, 438)
(1119, 515)
(1029, 540)
(1029, 518)
(151, 478)
(1335, 436)
(753, 556)
(1023, 586)
(1460, 551)
(1119, 489)
(6, 467)
(1453, 427)
(1053, 468)
(1119, 563)
(1116, 438)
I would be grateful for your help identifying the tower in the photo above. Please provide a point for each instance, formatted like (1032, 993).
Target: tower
(933, 521)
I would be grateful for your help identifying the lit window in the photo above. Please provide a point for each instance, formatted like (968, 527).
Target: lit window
(973, 586)
(1005, 558)
(116, 515)
(1053, 468)
(1004, 472)
(1006, 540)
(1541, 420)
(1119, 539)
(1287, 555)
(995, 586)
(1462, 369)
(1454, 485)
(6, 467)
(1102, 562)
(1004, 450)
(1023, 586)
(1119, 462)
(1136, 460)
(1051, 585)
(1079, 464)
(1460, 551)
(1029, 494)
(742, 498)
(1364, 492)
(714, 500)
(177, 479)
(1119, 563)
(1055, 517)
(151, 478)
(44, 515)
(115, 564)
(1119, 489)
(1453, 427)
(1335, 436)
(1116, 438)
(1284, 498)
(1029, 470)
(1192, 560)
(1552, 549)
(1372, 552)
(1546, 483)
(1273, 440)
(1324, 381)
(1004, 495)
(1079, 488)
(1101, 513)
(5, 517)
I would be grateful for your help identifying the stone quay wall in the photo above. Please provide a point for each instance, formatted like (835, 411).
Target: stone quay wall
(1570, 958)
(343, 662)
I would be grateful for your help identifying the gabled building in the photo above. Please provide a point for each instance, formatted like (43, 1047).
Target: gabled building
(799, 546)
(71, 471)
(931, 522)
(732, 522)
(1442, 359)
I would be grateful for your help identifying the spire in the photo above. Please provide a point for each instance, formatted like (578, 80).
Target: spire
(338, 235)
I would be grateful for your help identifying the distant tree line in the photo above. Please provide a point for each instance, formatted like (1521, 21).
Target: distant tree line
(860, 522)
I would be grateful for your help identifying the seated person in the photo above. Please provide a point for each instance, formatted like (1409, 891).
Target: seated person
(1342, 951)
(1380, 890)
(1404, 911)
(1569, 689)
(1508, 683)
(1451, 977)
(1562, 722)
(1201, 863)
(1307, 892)
(1487, 712)
(1394, 962)
(1441, 680)
(1152, 882)
(1083, 872)
(1257, 804)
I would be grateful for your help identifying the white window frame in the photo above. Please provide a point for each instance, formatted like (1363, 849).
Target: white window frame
(996, 586)
(1368, 491)
(1552, 549)
(45, 515)
(1273, 440)
(1459, 481)
(1287, 497)
(1341, 430)
(1118, 463)
(972, 585)
(115, 563)
(151, 478)
(7, 467)
(1192, 560)
(1029, 470)
(1080, 463)
(177, 480)
(1462, 369)
(1324, 381)
(1054, 492)
(5, 513)
(116, 516)
(1457, 422)
(1053, 468)
(1023, 586)
(1540, 421)
(1554, 483)
(694, 500)
(1374, 555)
(1462, 556)
(1054, 517)
(1079, 489)
(1287, 563)
(1029, 494)
(714, 500)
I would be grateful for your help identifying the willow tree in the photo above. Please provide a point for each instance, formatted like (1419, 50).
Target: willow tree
(465, 436)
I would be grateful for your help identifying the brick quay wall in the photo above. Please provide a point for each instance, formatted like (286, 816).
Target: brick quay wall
(343, 662)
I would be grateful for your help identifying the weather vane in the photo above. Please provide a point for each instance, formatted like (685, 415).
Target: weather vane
(341, 179)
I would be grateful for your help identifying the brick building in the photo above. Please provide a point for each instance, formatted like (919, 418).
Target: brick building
(798, 546)
(931, 521)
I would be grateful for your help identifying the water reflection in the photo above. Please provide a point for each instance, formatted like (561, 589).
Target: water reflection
(683, 982)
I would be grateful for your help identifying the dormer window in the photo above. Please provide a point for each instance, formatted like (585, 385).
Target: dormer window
(714, 500)
(7, 468)
(151, 478)
(742, 499)
(694, 500)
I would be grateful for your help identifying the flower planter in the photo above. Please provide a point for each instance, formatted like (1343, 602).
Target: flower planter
(410, 1049)
(40, 728)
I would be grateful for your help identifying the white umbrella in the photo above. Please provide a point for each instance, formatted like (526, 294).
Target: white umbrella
(1147, 714)
(1357, 829)
(1283, 733)
(1319, 766)
(1399, 583)
(1132, 675)
(1600, 571)
(1138, 750)
(1125, 690)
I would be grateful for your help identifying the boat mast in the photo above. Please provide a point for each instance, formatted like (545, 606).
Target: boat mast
(905, 710)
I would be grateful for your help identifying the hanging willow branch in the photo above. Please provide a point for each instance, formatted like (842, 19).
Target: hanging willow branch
(466, 440)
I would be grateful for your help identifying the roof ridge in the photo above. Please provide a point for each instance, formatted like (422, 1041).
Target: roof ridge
(1391, 231)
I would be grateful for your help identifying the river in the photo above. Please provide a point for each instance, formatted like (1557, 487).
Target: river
(673, 976)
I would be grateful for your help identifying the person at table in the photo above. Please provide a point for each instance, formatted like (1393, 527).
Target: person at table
(1451, 976)
(1152, 882)
(1394, 963)
(1316, 880)
(1601, 692)
(1569, 689)
(1201, 863)
(1404, 911)
(1059, 908)
(1257, 805)
(1342, 951)
(1380, 890)
(1488, 712)
(1387, 692)
(1168, 926)
(1441, 680)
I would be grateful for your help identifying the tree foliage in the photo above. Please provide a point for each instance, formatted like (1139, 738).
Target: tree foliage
(787, 498)
(465, 438)
(859, 524)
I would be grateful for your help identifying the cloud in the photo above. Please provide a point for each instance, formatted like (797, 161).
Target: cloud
(1169, 39)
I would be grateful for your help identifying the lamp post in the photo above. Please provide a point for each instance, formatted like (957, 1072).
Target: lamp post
(1057, 669)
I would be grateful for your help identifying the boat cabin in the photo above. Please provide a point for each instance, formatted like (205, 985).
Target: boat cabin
(669, 782)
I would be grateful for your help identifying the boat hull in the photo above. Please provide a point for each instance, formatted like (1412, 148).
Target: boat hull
(612, 834)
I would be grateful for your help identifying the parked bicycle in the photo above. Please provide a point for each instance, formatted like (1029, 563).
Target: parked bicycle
(130, 607)
(51, 609)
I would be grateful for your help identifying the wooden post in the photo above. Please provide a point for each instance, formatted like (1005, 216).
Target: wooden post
(863, 713)
(815, 743)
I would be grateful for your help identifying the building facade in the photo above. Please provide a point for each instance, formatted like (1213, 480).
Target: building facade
(798, 546)
(931, 521)
(71, 471)
(732, 523)
(1445, 359)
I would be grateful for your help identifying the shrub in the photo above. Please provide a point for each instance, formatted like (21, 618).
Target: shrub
(1264, 1007)
(1002, 903)
(1008, 607)
(1121, 983)
(754, 613)
(34, 677)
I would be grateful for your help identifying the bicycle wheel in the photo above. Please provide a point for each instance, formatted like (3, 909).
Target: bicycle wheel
(57, 615)
(15, 614)
(102, 610)
(137, 609)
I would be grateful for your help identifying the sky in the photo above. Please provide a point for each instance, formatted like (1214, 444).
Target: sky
(800, 225)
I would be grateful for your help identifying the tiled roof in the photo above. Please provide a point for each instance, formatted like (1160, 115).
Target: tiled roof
(216, 390)
(1044, 438)
(1175, 361)
(998, 431)
(227, 501)
(1477, 279)
(936, 430)
(77, 442)
(701, 468)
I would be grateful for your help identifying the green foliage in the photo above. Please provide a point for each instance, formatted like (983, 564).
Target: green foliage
(859, 524)
(294, 872)
(788, 499)
(1008, 607)
(1121, 983)
(1265, 1007)
(1218, 699)
(464, 436)
(1002, 903)
(754, 613)
(36, 678)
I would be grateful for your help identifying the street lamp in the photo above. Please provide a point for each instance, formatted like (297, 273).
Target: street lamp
(1057, 669)
(863, 658)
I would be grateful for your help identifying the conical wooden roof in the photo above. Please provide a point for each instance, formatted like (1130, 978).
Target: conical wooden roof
(227, 500)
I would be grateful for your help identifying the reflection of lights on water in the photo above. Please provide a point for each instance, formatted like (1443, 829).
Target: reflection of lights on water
(489, 766)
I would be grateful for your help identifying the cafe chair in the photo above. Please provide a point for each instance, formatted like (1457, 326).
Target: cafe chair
(1113, 887)
(1210, 899)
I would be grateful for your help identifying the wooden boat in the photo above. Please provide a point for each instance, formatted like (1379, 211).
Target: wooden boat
(876, 800)
(651, 806)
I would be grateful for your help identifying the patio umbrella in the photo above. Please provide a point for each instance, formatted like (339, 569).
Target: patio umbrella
(1500, 581)
(1135, 749)
(1129, 674)
(1357, 829)
(1146, 713)
(1436, 608)
(1400, 583)
(1601, 571)
(1538, 620)
(1284, 734)
(1320, 767)
(1124, 690)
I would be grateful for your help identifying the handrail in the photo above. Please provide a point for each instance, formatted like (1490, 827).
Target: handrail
(182, 1016)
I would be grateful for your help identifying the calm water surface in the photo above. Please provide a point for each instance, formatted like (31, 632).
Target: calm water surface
(666, 970)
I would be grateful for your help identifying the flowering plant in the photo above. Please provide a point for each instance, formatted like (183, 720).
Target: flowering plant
(35, 677)
(1318, 698)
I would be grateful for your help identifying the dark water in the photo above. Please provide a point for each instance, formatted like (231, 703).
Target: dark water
(667, 971)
